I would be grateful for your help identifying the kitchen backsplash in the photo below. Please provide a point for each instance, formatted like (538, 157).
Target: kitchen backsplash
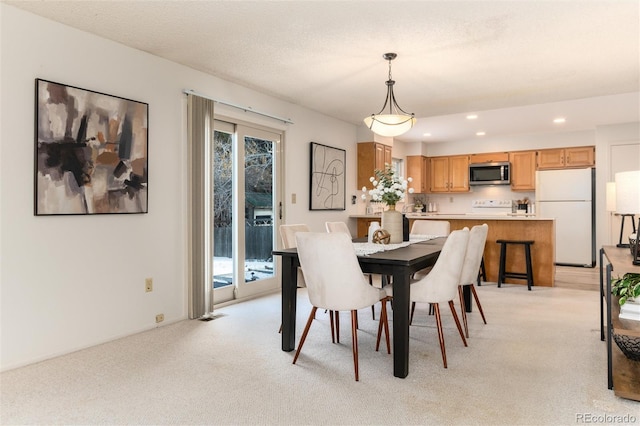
(459, 203)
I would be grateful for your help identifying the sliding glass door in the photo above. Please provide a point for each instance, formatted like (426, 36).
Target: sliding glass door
(246, 210)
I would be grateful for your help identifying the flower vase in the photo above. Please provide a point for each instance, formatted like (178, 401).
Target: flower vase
(392, 223)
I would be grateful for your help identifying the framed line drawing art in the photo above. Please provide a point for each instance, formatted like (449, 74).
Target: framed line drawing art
(327, 189)
(91, 153)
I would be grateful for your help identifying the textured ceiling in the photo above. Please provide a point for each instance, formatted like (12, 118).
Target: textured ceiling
(454, 57)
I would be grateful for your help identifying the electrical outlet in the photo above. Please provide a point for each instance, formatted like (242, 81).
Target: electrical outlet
(148, 284)
(293, 198)
(451, 199)
(159, 317)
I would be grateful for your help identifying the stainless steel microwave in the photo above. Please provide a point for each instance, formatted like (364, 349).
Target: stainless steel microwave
(490, 173)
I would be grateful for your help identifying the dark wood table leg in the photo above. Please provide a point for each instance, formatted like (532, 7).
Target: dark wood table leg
(289, 293)
(466, 294)
(401, 285)
(602, 325)
(609, 331)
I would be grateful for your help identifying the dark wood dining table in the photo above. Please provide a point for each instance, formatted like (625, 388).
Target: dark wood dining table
(399, 263)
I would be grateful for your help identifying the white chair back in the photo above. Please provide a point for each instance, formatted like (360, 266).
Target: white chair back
(337, 227)
(437, 228)
(475, 250)
(441, 284)
(288, 234)
(332, 272)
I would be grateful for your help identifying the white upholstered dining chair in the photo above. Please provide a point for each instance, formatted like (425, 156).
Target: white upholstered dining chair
(337, 227)
(440, 285)
(435, 228)
(288, 236)
(379, 282)
(432, 228)
(471, 267)
(335, 281)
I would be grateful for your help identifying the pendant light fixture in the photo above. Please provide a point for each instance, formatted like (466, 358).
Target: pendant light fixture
(395, 121)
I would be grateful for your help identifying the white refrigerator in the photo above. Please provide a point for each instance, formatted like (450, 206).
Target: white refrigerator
(568, 196)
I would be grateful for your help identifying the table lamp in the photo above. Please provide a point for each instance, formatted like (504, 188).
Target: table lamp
(628, 203)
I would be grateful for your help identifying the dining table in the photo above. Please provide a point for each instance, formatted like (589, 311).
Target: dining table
(400, 263)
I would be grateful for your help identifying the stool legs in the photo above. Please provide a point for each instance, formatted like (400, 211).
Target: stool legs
(527, 252)
(503, 260)
(502, 273)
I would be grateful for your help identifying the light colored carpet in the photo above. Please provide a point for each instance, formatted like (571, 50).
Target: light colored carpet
(539, 360)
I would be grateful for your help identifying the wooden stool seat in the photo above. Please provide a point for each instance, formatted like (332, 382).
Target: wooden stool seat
(502, 274)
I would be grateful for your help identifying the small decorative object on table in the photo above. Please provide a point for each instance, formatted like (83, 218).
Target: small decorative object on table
(389, 189)
(381, 236)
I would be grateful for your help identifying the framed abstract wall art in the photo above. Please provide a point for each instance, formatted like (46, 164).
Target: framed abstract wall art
(327, 191)
(91, 152)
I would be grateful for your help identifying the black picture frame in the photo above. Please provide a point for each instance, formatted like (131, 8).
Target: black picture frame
(327, 180)
(91, 152)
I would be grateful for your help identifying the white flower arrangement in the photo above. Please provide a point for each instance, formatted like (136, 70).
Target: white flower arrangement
(387, 188)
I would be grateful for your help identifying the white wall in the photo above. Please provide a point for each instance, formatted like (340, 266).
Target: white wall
(69, 282)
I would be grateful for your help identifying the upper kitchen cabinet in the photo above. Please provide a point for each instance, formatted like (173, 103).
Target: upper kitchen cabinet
(449, 174)
(418, 170)
(564, 158)
(492, 157)
(371, 156)
(523, 170)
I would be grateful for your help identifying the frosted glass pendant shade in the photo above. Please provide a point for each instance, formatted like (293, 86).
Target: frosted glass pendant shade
(389, 125)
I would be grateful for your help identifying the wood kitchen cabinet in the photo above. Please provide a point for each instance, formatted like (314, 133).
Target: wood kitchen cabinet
(564, 158)
(449, 174)
(492, 157)
(418, 170)
(523, 170)
(371, 156)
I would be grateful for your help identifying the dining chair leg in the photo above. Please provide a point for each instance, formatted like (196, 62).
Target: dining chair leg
(475, 296)
(455, 317)
(384, 322)
(440, 333)
(337, 326)
(305, 332)
(413, 309)
(333, 337)
(354, 341)
(463, 309)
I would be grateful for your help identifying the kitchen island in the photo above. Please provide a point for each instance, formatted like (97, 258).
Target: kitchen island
(508, 227)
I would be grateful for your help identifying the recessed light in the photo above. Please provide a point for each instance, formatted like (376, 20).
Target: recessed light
(427, 134)
(472, 116)
(480, 133)
(559, 120)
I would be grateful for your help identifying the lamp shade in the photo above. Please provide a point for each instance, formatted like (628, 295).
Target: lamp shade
(611, 196)
(389, 124)
(628, 192)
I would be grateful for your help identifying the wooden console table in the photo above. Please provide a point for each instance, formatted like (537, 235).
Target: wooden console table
(623, 373)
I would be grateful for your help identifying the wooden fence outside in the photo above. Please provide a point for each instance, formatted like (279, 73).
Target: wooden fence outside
(258, 241)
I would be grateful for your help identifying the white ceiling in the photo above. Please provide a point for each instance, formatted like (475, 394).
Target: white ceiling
(518, 64)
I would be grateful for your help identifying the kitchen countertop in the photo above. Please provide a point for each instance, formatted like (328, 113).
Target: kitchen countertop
(463, 216)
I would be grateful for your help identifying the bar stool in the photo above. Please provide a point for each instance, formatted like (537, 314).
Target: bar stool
(502, 274)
